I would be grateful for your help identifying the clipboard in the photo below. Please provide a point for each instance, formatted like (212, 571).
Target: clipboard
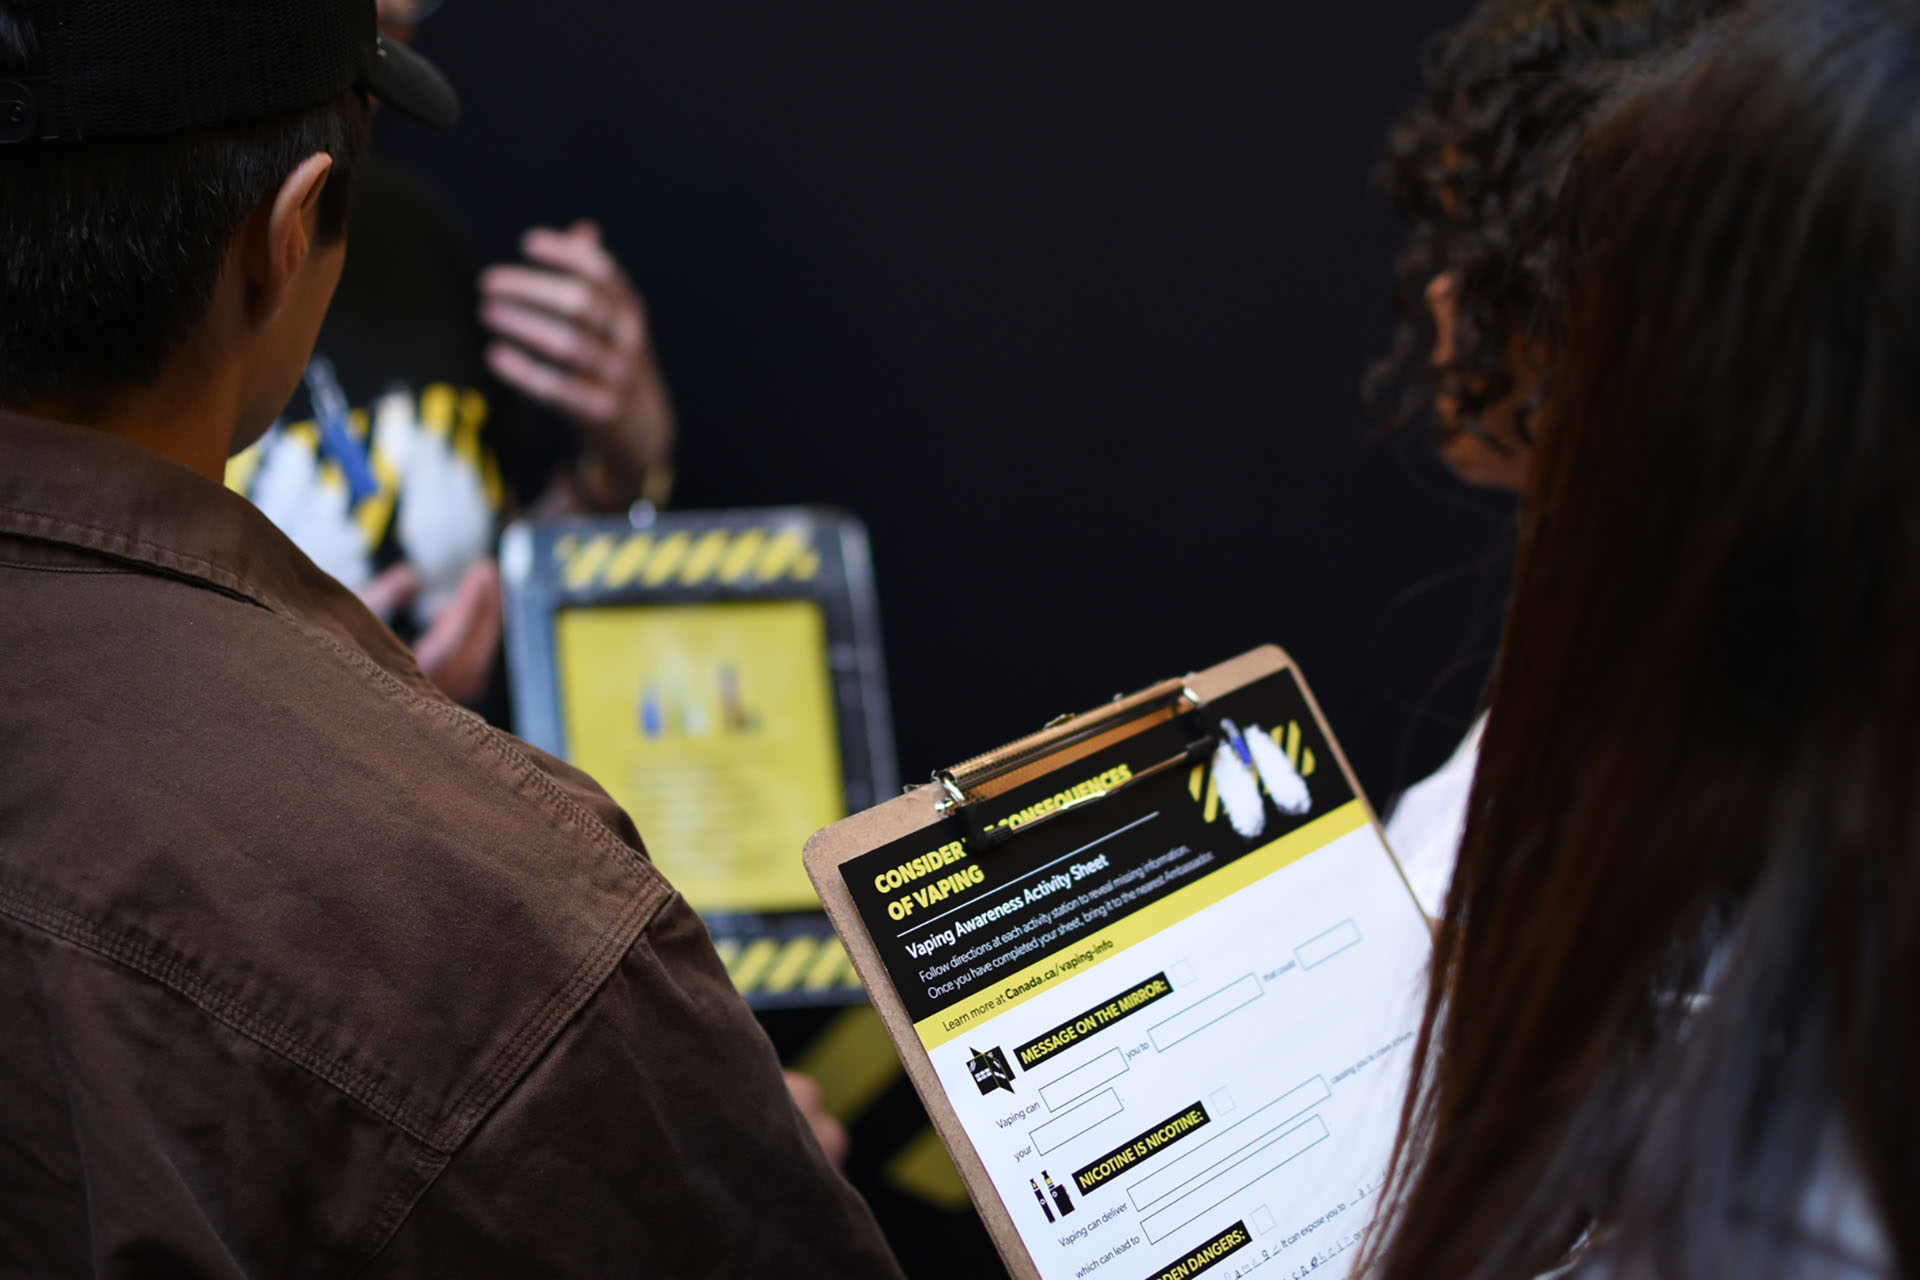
(1155, 975)
(720, 673)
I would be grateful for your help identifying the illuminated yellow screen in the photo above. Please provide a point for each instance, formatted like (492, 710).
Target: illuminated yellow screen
(713, 725)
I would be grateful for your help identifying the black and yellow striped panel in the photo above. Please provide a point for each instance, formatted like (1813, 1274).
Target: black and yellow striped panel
(801, 965)
(749, 557)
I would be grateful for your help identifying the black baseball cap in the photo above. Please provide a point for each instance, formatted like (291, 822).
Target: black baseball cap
(147, 68)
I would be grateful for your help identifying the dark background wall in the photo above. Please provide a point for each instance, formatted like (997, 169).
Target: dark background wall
(1069, 300)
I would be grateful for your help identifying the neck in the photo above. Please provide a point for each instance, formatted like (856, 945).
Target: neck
(190, 415)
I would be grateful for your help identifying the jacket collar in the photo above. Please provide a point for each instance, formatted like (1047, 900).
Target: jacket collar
(76, 487)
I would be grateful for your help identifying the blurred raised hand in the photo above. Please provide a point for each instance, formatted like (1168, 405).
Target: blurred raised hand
(457, 649)
(570, 332)
(829, 1132)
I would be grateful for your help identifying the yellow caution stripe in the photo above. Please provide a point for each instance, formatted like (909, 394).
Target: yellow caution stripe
(804, 964)
(750, 556)
(853, 1061)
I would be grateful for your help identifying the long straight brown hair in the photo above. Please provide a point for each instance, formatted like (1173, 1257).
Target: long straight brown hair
(1676, 989)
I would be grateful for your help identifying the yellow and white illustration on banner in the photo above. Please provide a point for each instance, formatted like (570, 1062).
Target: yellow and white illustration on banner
(713, 726)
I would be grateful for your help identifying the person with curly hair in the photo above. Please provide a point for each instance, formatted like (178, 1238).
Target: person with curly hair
(1670, 1028)
(1475, 171)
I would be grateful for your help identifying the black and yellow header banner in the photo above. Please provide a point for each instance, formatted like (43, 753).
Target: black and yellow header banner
(1186, 1121)
(967, 932)
(1208, 1255)
(1093, 1021)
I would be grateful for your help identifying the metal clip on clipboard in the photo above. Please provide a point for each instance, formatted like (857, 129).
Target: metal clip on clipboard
(968, 783)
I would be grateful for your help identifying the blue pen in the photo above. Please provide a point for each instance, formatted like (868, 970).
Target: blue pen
(336, 435)
(1237, 742)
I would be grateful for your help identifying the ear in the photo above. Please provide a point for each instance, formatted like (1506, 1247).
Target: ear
(280, 237)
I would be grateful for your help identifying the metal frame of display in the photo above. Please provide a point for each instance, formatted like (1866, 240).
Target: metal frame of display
(778, 959)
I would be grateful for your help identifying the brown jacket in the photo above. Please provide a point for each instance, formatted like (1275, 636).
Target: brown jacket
(305, 971)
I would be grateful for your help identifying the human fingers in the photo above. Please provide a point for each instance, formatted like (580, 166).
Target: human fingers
(476, 605)
(577, 250)
(483, 640)
(463, 671)
(582, 281)
(587, 400)
(389, 590)
(456, 651)
(609, 311)
(557, 291)
(560, 340)
(439, 645)
(827, 1131)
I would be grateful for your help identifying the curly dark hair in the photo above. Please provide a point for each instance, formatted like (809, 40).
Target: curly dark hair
(1475, 169)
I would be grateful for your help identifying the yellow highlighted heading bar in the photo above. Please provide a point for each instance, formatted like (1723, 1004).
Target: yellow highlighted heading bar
(1214, 886)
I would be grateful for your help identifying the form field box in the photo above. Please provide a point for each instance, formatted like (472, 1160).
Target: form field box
(1205, 1013)
(1234, 1141)
(1083, 1080)
(1324, 947)
(1068, 1125)
(1220, 1184)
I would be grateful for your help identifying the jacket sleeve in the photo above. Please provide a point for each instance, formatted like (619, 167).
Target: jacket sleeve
(655, 1137)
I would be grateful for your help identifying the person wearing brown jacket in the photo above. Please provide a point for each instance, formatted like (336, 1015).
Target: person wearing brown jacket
(304, 970)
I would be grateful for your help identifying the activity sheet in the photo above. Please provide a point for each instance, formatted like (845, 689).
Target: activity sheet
(1174, 1025)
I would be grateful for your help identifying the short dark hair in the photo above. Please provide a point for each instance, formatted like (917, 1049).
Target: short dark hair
(109, 250)
(1475, 172)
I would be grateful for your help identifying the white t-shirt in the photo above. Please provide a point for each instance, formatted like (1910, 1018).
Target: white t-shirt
(1838, 1236)
(1425, 829)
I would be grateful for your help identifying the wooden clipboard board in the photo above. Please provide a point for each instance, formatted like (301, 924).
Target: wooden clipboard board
(953, 827)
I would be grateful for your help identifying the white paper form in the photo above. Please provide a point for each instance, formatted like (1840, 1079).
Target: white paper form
(1175, 1046)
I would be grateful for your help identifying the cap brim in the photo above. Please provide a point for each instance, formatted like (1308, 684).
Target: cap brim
(410, 84)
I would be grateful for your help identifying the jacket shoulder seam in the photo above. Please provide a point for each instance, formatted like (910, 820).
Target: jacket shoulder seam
(132, 950)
